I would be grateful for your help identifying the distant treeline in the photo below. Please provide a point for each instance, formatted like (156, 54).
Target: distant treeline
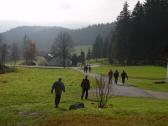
(140, 36)
(44, 36)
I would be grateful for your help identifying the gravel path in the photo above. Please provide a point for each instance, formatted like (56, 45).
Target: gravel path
(119, 89)
(129, 90)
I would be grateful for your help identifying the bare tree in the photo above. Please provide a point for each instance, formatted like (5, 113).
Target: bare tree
(3, 56)
(0, 52)
(14, 53)
(4, 52)
(29, 50)
(25, 48)
(32, 51)
(102, 90)
(62, 47)
(1, 45)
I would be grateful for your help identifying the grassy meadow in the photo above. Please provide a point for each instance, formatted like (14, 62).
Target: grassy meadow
(77, 50)
(140, 76)
(25, 100)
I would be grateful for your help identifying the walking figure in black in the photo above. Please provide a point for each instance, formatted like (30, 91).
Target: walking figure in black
(85, 68)
(85, 87)
(123, 76)
(116, 75)
(110, 75)
(58, 86)
(89, 67)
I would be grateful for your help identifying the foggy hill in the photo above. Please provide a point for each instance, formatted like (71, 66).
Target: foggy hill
(44, 36)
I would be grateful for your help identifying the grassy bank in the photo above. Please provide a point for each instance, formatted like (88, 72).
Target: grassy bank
(140, 76)
(25, 99)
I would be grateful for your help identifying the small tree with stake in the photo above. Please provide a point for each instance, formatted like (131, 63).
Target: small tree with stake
(102, 90)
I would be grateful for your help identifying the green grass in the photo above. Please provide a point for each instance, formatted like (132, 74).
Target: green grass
(77, 50)
(140, 76)
(25, 99)
(100, 61)
(39, 61)
(155, 72)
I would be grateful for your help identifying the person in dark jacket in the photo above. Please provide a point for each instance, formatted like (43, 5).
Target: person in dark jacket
(110, 75)
(85, 87)
(123, 76)
(116, 75)
(58, 86)
(89, 67)
(85, 68)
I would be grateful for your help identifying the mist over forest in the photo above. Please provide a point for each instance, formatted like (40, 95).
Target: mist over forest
(74, 62)
(44, 36)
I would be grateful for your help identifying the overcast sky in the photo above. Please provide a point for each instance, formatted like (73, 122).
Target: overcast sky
(62, 12)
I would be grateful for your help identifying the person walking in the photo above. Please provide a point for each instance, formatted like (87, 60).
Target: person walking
(124, 76)
(85, 87)
(116, 75)
(89, 67)
(110, 75)
(85, 69)
(58, 86)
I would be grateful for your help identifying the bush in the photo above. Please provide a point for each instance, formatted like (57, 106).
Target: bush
(6, 69)
(102, 90)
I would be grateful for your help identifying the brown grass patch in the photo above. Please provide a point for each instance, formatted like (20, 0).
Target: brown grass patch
(94, 120)
(30, 114)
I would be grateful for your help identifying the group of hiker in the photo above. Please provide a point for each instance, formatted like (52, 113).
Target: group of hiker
(87, 68)
(59, 87)
(116, 76)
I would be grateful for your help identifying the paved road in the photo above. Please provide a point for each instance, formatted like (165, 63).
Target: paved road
(128, 90)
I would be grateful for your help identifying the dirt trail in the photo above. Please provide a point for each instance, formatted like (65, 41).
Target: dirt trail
(131, 91)
(119, 89)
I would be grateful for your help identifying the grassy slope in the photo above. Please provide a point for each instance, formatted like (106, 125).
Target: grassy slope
(25, 99)
(140, 76)
(77, 50)
(99, 61)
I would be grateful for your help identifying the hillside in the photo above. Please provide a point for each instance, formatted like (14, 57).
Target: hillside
(44, 36)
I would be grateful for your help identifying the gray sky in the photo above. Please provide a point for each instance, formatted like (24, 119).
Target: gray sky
(69, 13)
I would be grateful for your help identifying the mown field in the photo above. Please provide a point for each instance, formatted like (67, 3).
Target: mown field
(140, 76)
(25, 100)
(77, 50)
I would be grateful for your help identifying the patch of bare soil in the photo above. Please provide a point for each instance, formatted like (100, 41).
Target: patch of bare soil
(29, 113)
(93, 120)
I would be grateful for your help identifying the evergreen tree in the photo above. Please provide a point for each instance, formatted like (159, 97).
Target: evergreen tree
(136, 38)
(89, 55)
(141, 37)
(82, 57)
(105, 50)
(97, 47)
(74, 60)
(156, 29)
(121, 37)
